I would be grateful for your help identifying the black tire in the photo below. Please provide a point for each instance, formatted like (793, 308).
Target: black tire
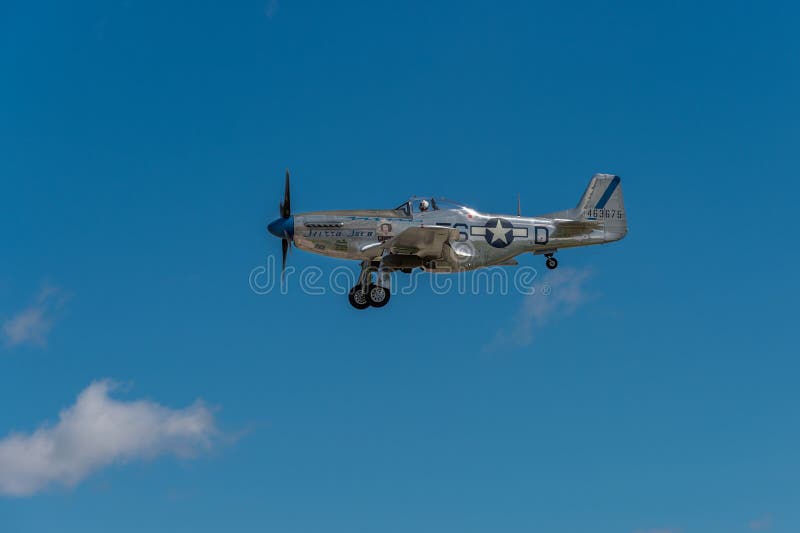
(551, 263)
(378, 296)
(358, 298)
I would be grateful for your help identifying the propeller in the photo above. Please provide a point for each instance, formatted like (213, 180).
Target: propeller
(284, 249)
(286, 204)
(283, 227)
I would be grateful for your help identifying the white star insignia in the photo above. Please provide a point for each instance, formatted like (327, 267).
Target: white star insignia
(498, 233)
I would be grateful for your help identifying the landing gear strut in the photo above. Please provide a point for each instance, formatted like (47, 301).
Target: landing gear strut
(551, 261)
(365, 293)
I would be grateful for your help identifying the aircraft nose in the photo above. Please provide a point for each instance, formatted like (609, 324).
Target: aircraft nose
(281, 227)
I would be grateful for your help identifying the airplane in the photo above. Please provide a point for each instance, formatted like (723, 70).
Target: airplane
(443, 236)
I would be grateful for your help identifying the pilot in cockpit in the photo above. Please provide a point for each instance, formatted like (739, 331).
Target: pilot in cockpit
(424, 205)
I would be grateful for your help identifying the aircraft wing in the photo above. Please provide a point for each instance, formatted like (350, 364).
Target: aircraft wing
(426, 241)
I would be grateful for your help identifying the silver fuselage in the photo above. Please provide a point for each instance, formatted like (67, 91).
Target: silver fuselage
(483, 239)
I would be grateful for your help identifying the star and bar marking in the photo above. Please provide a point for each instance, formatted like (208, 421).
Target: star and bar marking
(499, 232)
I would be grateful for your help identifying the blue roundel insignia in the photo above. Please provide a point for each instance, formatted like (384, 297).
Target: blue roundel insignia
(499, 232)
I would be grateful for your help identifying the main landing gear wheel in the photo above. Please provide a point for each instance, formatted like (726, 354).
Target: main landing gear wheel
(551, 263)
(359, 298)
(378, 296)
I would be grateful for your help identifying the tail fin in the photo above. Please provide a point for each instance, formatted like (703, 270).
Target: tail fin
(602, 201)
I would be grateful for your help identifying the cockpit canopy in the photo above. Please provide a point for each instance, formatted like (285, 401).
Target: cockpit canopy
(412, 205)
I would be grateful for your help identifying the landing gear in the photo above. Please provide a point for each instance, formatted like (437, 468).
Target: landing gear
(365, 293)
(551, 262)
(358, 298)
(378, 296)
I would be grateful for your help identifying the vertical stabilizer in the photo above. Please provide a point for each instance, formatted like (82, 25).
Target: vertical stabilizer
(602, 201)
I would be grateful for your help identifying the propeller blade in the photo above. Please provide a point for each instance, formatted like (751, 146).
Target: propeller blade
(289, 240)
(284, 248)
(286, 206)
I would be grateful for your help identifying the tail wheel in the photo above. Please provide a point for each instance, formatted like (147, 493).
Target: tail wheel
(551, 263)
(378, 296)
(358, 297)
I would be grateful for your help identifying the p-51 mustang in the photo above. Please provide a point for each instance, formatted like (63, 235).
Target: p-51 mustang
(444, 236)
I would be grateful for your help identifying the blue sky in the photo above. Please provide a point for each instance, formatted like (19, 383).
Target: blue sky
(142, 146)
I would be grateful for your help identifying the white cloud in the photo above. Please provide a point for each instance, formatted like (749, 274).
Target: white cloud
(761, 524)
(98, 431)
(558, 295)
(33, 324)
